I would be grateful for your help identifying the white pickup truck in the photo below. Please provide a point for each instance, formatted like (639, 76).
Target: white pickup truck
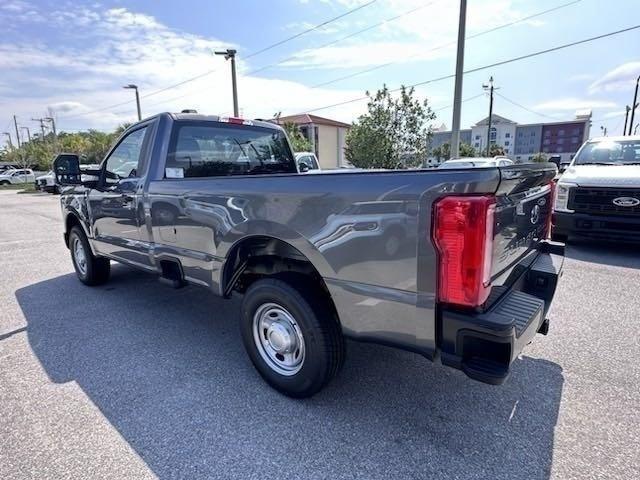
(598, 196)
(17, 177)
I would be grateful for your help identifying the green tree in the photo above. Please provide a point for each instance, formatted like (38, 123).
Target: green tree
(443, 152)
(298, 141)
(495, 150)
(540, 158)
(393, 133)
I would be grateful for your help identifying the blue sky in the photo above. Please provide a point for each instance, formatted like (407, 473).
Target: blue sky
(70, 59)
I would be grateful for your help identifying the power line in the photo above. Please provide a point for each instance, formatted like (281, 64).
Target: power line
(320, 25)
(492, 65)
(351, 35)
(253, 54)
(464, 100)
(445, 45)
(525, 108)
(292, 57)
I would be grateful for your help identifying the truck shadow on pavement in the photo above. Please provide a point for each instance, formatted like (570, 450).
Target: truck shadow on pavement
(605, 253)
(168, 370)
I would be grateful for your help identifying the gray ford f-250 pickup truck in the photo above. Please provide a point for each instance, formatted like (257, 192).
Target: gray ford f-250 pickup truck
(452, 264)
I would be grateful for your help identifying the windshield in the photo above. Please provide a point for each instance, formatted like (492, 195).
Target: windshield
(609, 152)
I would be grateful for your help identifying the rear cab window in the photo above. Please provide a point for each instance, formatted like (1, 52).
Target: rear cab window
(210, 149)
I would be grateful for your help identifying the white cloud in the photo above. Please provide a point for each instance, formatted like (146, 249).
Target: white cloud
(571, 103)
(111, 48)
(428, 32)
(620, 78)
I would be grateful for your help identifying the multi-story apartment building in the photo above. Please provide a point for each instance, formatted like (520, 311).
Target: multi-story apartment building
(522, 142)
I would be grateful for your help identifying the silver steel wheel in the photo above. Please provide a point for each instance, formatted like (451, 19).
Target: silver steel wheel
(79, 256)
(278, 338)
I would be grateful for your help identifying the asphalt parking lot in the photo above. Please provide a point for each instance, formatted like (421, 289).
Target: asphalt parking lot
(136, 380)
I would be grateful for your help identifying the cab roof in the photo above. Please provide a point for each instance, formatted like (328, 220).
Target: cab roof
(217, 118)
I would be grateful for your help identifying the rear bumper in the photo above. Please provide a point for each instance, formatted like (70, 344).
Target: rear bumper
(597, 226)
(484, 345)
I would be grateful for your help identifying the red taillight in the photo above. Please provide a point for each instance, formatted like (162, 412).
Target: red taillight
(552, 202)
(463, 236)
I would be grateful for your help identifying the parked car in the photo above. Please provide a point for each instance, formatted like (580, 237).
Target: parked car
(219, 203)
(598, 196)
(477, 162)
(47, 182)
(17, 177)
(307, 161)
(5, 167)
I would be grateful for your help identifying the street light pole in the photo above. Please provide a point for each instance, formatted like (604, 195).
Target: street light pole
(230, 54)
(135, 87)
(9, 137)
(490, 88)
(28, 133)
(634, 105)
(457, 91)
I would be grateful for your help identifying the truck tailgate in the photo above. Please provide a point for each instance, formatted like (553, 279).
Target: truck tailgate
(523, 207)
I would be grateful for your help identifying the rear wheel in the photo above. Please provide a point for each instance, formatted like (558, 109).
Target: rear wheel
(91, 270)
(5, 182)
(292, 337)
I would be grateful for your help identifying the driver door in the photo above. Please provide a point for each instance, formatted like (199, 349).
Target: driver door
(116, 201)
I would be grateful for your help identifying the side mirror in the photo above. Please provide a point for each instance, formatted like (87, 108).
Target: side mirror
(303, 167)
(66, 169)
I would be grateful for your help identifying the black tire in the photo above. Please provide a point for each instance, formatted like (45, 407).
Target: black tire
(91, 270)
(323, 344)
(5, 182)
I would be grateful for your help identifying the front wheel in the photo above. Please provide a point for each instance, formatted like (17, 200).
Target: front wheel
(91, 270)
(5, 182)
(292, 337)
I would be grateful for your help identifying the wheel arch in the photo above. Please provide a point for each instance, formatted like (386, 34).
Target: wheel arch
(71, 220)
(260, 256)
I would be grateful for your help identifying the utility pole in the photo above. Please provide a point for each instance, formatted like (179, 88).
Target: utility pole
(15, 122)
(491, 88)
(135, 87)
(457, 91)
(230, 53)
(53, 125)
(55, 132)
(28, 132)
(634, 105)
(41, 120)
(626, 119)
(9, 137)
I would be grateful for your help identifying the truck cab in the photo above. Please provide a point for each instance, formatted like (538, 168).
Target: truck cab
(598, 195)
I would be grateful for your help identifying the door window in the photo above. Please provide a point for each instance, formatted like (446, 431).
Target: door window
(124, 161)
